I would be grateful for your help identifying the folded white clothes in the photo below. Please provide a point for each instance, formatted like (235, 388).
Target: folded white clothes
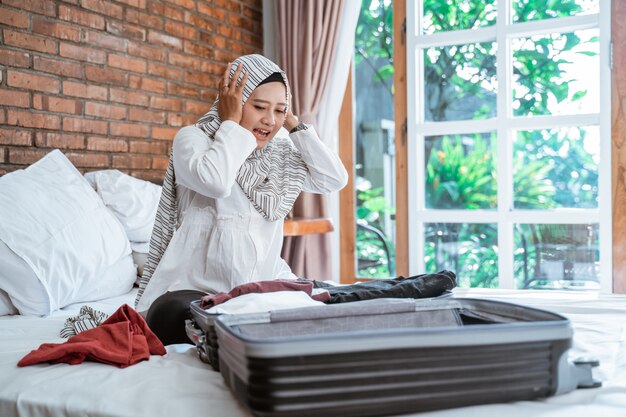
(263, 302)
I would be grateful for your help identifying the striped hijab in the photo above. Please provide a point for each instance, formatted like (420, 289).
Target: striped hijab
(271, 177)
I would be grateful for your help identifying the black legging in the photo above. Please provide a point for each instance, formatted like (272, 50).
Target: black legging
(167, 314)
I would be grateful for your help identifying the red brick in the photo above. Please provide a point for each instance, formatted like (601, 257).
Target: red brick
(242, 22)
(165, 103)
(88, 160)
(126, 31)
(13, 18)
(199, 22)
(197, 107)
(160, 163)
(56, 29)
(228, 4)
(104, 40)
(46, 7)
(16, 137)
(225, 56)
(31, 119)
(208, 95)
(164, 133)
(147, 84)
(161, 9)
(201, 50)
(81, 17)
(140, 4)
(126, 63)
(93, 92)
(106, 76)
(213, 68)
(144, 19)
(21, 156)
(241, 49)
(162, 39)
(212, 11)
(31, 42)
(200, 78)
(146, 116)
(155, 177)
(186, 61)
(57, 104)
(140, 146)
(229, 32)
(187, 4)
(32, 82)
(175, 119)
(95, 143)
(75, 124)
(128, 129)
(129, 97)
(104, 7)
(81, 53)
(129, 161)
(145, 51)
(55, 66)
(59, 140)
(253, 14)
(181, 30)
(105, 111)
(164, 71)
(14, 98)
(182, 90)
(252, 39)
(14, 58)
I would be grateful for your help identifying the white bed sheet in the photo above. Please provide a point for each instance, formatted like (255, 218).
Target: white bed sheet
(178, 384)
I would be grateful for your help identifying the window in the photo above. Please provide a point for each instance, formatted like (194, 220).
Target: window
(375, 136)
(509, 143)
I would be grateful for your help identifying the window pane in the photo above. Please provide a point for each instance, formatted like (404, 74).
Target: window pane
(441, 16)
(556, 168)
(556, 74)
(468, 249)
(460, 82)
(527, 10)
(375, 152)
(461, 171)
(557, 256)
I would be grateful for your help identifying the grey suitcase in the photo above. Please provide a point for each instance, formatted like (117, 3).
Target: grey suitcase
(394, 356)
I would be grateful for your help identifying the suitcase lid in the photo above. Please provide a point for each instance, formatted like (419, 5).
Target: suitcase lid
(387, 324)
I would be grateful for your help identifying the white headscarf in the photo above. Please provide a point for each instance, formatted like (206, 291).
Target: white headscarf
(271, 177)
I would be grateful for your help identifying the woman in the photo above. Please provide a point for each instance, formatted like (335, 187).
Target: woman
(230, 183)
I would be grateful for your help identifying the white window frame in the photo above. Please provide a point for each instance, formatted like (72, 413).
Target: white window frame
(504, 125)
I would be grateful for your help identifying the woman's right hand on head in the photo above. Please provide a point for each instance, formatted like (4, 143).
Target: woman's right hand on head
(230, 103)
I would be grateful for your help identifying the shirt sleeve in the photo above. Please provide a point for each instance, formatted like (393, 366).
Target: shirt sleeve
(210, 167)
(326, 171)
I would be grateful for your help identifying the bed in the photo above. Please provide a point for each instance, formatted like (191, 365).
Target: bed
(103, 270)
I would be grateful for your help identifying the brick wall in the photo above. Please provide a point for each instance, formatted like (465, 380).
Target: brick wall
(109, 82)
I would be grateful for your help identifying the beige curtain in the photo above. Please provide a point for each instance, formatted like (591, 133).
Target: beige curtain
(308, 32)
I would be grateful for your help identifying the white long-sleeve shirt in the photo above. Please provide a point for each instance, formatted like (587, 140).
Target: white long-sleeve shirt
(222, 241)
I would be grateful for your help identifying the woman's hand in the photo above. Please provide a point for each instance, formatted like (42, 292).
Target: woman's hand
(291, 120)
(230, 104)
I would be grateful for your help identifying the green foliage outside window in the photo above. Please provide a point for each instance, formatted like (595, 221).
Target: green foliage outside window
(461, 174)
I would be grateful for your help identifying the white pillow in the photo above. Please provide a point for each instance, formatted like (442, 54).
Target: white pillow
(133, 201)
(57, 230)
(6, 306)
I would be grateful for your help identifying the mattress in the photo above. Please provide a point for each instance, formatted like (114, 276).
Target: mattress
(179, 384)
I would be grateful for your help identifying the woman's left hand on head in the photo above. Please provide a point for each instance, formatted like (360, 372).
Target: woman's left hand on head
(230, 104)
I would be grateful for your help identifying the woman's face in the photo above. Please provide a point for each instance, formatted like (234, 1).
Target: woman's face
(264, 112)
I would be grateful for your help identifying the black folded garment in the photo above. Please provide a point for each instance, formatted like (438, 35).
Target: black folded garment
(418, 286)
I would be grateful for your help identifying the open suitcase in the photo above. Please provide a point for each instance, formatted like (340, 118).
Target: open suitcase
(394, 356)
